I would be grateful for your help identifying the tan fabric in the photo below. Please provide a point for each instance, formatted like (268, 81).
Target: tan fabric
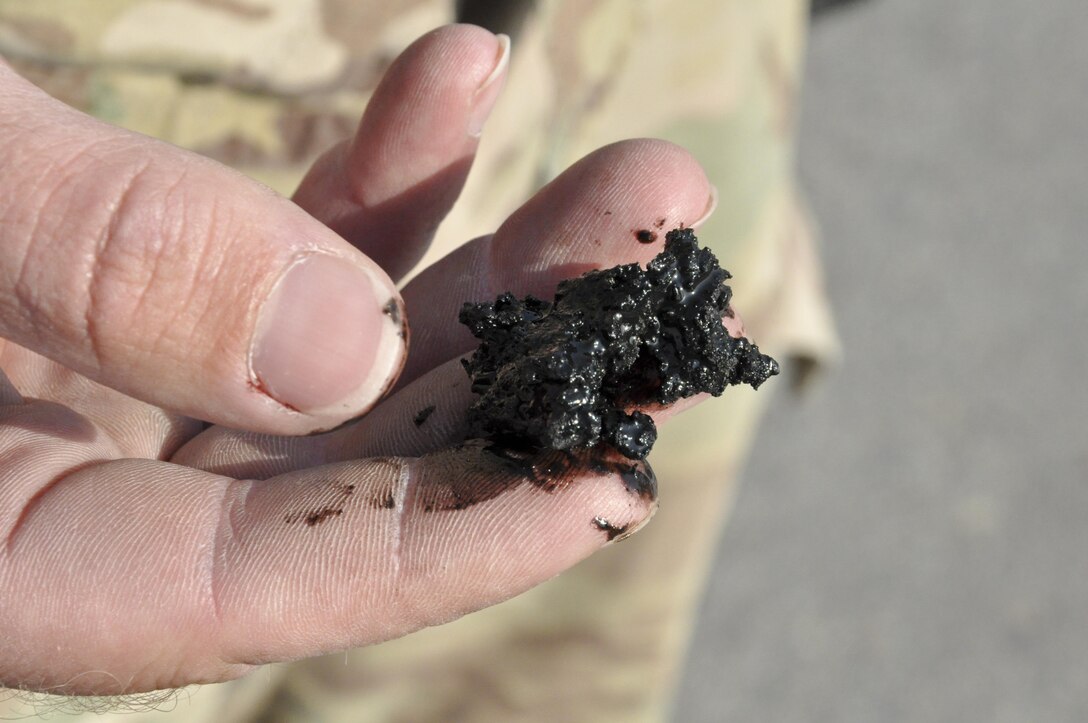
(266, 85)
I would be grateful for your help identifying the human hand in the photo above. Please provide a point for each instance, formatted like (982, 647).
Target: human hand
(143, 289)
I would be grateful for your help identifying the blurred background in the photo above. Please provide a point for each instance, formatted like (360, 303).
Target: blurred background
(909, 543)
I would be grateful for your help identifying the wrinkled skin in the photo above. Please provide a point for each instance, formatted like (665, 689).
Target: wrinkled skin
(141, 548)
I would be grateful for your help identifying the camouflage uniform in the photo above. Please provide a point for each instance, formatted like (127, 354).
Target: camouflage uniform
(266, 85)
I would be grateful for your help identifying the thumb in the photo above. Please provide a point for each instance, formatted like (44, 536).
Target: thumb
(180, 282)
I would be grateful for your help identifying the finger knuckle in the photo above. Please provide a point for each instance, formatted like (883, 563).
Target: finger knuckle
(146, 259)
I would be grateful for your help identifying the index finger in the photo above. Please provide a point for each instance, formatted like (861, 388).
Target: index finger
(146, 575)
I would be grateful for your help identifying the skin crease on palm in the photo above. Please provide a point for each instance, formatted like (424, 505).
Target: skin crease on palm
(139, 551)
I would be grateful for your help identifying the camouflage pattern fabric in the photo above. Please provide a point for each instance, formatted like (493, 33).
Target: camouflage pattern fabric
(266, 85)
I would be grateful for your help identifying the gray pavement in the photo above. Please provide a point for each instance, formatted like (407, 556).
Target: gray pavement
(911, 542)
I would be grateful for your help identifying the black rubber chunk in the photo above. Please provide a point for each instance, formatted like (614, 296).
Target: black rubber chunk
(563, 375)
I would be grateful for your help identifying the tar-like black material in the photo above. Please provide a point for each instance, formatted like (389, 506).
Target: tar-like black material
(563, 375)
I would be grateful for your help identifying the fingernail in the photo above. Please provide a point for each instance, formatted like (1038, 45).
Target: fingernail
(614, 534)
(639, 495)
(325, 342)
(711, 204)
(734, 325)
(488, 92)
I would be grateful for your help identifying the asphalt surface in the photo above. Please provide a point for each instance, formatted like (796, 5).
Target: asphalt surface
(910, 542)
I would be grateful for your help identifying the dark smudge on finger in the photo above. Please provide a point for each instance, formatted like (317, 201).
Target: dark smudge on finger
(477, 471)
